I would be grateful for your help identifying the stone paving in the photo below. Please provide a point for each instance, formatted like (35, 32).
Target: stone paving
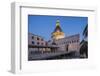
(41, 56)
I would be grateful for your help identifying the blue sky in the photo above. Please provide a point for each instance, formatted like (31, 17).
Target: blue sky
(44, 25)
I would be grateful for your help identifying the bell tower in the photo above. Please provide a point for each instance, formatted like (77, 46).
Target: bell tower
(57, 33)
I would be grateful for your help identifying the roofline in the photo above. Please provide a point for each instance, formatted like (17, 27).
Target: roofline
(36, 35)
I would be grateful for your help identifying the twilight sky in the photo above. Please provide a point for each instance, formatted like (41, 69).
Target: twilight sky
(44, 25)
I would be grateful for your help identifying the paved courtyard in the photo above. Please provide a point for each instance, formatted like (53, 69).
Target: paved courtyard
(53, 55)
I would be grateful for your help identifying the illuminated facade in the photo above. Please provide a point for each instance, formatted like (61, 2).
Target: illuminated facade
(58, 33)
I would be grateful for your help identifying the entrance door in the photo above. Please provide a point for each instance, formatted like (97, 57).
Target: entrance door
(67, 47)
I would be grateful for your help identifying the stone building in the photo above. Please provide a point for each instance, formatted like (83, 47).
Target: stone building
(37, 45)
(70, 43)
(34, 44)
(35, 40)
(65, 43)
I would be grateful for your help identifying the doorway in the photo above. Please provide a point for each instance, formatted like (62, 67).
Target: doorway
(67, 47)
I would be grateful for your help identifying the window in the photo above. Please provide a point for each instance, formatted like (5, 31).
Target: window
(32, 37)
(33, 42)
(37, 38)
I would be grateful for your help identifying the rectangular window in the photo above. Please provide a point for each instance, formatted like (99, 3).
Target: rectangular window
(32, 37)
(37, 38)
(33, 42)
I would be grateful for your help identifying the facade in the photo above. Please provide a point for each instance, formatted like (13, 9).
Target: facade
(37, 45)
(70, 43)
(57, 33)
(35, 40)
